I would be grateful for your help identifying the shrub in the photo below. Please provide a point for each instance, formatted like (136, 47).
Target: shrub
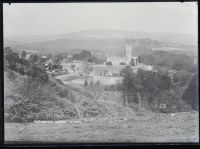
(109, 63)
(33, 93)
(182, 77)
(23, 112)
(21, 70)
(122, 63)
(11, 75)
(85, 83)
(63, 93)
(38, 73)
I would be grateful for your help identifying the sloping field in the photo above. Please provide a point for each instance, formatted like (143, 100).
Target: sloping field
(181, 127)
(74, 100)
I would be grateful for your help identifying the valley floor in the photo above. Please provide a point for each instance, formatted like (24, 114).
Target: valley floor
(178, 127)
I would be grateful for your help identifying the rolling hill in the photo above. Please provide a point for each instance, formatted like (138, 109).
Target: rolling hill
(111, 41)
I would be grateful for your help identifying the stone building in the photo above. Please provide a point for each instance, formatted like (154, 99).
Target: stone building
(128, 59)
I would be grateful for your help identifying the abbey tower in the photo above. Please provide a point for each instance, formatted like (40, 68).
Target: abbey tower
(128, 52)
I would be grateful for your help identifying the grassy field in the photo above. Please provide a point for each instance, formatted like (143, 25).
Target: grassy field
(76, 79)
(149, 127)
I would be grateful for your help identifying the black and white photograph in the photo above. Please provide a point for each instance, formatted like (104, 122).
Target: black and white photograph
(113, 72)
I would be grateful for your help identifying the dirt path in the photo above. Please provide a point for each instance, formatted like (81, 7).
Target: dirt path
(181, 127)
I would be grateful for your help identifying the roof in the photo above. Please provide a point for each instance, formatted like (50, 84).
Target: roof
(44, 56)
(27, 56)
(49, 61)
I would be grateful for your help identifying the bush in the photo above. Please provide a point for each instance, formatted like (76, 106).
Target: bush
(109, 63)
(11, 75)
(117, 87)
(93, 109)
(182, 77)
(85, 83)
(63, 93)
(122, 63)
(21, 70)
(38, 73)
(33, 93)
(23, 112)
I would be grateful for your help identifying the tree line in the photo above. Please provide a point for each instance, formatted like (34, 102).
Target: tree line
(149, 89)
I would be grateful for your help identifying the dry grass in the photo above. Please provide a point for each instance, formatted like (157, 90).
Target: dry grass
(183, 127)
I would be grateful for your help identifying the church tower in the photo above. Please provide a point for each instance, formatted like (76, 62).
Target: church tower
(128, 52)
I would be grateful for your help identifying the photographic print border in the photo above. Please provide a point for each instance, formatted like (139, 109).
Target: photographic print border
(42, 144)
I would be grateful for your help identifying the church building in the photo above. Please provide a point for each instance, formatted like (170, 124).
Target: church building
(128, 59)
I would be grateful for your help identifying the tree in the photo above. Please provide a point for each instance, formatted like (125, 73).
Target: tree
(23, 55)
(83, 55)
(21, 70)
(147, 86)
(93, 59)
(87, 69)
(151, 60)
(49, 55)
(190, 95)
(129, 85)
(98, 82)
(178, 66)
(109, 63)
(132, 62)
(85, 83)
(146, 59)
(58, 58)
(163, 83)
(139, 59)
(91, 83)
(143, 87)
(8, 50)
(33, 58)
(12, 59)
(122, 63)
(73, 67)
(182, 77)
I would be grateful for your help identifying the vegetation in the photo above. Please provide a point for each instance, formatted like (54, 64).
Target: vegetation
(86, 55)
(169, 60)
(190, 95)
(109, 63)
(122, 63)
(42, 100)
(83, 55)
(41, 97)
(87, 68)
(150, 89)
(182, 77)
(58, 58)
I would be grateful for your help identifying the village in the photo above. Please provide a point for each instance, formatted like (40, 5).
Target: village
(79, 72)
(106, 73)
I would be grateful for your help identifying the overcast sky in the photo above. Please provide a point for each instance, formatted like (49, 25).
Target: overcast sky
(34, 19)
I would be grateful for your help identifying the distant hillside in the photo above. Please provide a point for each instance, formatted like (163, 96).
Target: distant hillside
(67, 44)
(111, 41)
